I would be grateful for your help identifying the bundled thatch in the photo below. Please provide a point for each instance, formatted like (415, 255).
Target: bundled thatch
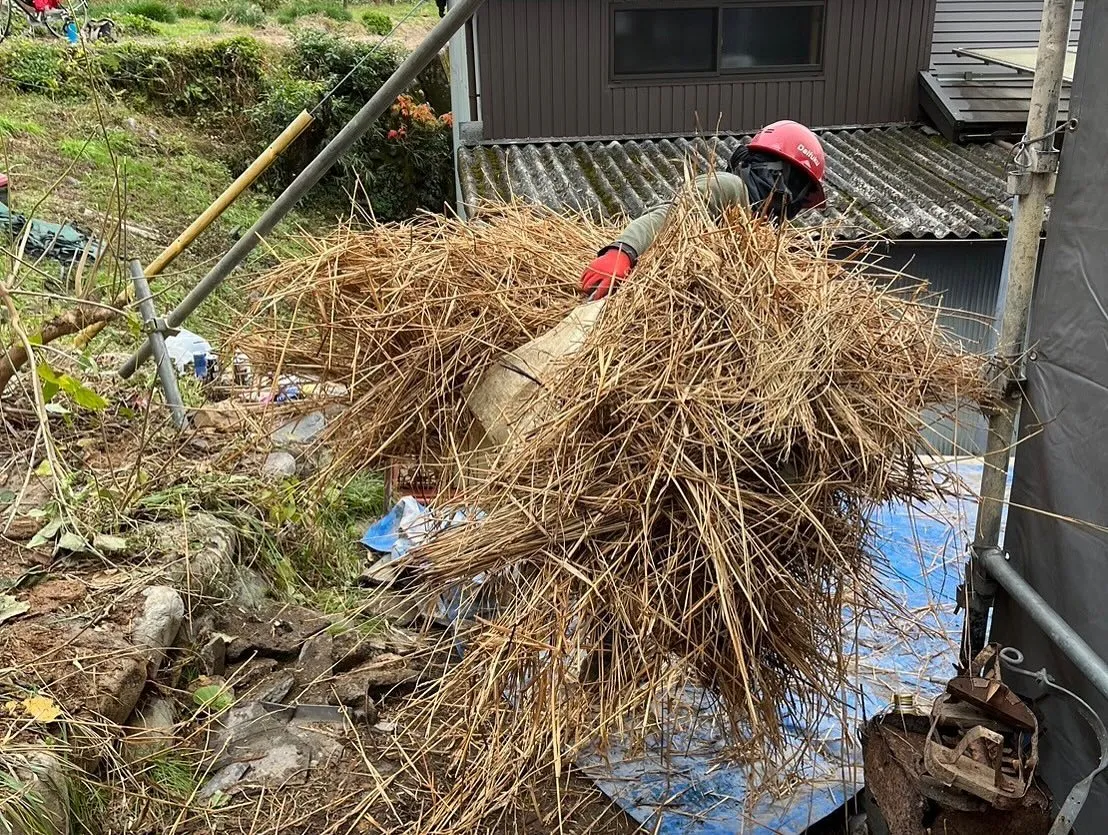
(693, 506)
(406, 314)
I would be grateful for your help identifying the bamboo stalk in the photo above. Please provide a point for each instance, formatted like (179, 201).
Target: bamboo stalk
(206, 218)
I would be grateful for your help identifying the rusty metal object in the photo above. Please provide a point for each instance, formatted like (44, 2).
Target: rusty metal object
(900, 798)
(983, 740)
(993, 698)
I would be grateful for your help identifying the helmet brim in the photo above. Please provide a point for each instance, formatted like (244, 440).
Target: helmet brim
(816, 198)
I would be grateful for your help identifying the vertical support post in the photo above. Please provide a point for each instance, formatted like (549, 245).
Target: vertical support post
(459, 104)
(1041, 163)
(167, 374)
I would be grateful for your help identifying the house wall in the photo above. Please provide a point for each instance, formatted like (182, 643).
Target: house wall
(544, 69)
(963, 277)
(988, 24)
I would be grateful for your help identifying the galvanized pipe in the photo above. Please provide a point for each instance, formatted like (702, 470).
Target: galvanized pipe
(1061, 634)
(357, 127)
(1024, 234)
(156, 340)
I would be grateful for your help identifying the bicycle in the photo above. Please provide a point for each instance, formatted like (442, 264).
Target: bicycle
(54, 18)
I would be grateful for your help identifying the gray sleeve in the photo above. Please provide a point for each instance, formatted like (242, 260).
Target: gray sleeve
(720, 189)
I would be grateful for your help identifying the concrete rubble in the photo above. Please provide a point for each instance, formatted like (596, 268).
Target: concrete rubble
(301, 683)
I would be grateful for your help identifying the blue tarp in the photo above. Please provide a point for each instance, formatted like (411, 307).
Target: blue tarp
(681, 787)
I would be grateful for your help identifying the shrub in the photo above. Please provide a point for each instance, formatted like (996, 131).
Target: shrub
(210, 13)
(245, 13)
(376, 23)
(302, 8)
(195, 78)
(133, 24)
(153, 10)
(403, 164)
(32, 66)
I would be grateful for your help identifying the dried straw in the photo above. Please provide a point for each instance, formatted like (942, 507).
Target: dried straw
(403, 316)
(692, 511)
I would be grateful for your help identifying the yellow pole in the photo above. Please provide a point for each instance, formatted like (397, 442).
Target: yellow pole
(208, 216)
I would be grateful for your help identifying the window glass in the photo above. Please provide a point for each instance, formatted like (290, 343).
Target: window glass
(771, 36)
(664, 41)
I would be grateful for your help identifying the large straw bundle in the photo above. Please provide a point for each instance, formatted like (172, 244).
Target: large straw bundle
(406, 314)
(694, 507)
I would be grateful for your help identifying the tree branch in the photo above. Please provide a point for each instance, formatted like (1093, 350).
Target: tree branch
(65, 324)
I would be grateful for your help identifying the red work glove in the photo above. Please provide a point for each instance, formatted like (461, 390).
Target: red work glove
(601, 275)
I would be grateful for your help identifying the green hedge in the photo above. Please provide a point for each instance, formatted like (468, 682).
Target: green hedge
(401, 166)
(207, 79)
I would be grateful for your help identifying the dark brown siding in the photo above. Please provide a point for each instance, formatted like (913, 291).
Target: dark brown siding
(545, 74)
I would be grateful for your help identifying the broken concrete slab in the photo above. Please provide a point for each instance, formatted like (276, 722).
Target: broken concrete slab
(152, 730)
(157, 627)
(274, 630)
(258, 745)
(212, 656)
(274, 687)
(315, 660)
(301, 431)
(279, 464)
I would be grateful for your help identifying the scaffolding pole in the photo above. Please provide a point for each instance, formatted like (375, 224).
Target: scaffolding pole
(1037, 158)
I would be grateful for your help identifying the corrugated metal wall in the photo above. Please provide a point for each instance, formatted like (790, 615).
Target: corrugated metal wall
(544, 73)
(964, 279)
(988, 23)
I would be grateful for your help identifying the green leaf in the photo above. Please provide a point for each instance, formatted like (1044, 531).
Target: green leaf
(10, 607)
(70, 541)
(44, 469)
(86, 398)
(56, 408)
(215, 697)
(47, 374)
(7, 496)
(48, 532)
(49, 391)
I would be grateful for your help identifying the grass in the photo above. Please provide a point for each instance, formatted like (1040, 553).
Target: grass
(204, 18)
(303, 8)
(73, 161)
(11, 127)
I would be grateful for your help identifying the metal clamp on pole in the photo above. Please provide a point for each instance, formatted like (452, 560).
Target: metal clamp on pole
(155, 329)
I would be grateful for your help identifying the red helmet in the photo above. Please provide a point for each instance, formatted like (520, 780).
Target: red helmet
(794, 143)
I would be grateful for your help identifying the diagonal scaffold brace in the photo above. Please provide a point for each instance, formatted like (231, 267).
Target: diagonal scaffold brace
(355, 129)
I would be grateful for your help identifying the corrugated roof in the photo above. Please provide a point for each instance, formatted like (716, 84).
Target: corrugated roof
(900, 182)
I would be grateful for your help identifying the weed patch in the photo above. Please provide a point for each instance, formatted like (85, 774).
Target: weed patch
(376, 22)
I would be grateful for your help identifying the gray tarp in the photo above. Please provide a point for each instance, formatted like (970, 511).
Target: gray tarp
(1062, 461)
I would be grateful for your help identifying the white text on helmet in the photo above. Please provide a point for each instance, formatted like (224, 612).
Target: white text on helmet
(808, 153)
